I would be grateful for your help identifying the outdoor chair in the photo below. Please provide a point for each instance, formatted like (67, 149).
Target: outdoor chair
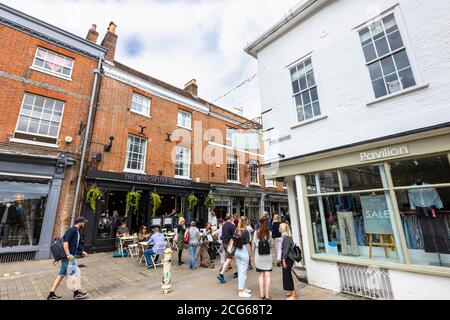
(153, 257)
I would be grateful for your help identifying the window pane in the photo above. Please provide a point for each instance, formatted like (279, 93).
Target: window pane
(34, 124)
(306, 98)
(39, 63)
(382, 46)
(375, 70)
(39, 102)
(365, 36)
(329, 181)
(23, 123)
(308, 112)
(364, 178)
(377, 30)
(316, 109)
(407, 78)
(379, 88)
(300, 114)
(311, 80)
(429, 170)
(294, 74)
(295, 86)
(388, 65)
(298, 100)
(369, 52)
(314, 95)
(303, 85)
(311, 186)
(425, 221)
(401, 60)
(393, 83)
(389, 24)
(395, 40)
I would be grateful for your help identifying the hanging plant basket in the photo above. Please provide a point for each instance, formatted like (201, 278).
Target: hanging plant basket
(132, 201)
(210, 202)
(93, 194)
(155, 200)
(192, 201)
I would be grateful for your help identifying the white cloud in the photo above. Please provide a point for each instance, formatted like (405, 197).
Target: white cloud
(180, 40)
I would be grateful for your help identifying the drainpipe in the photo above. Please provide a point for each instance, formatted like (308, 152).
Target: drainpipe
(97, 73)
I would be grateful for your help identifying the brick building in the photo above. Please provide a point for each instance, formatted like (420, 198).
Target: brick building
(46, 81)
(168, 141)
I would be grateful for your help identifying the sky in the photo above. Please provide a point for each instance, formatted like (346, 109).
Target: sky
(177, 40)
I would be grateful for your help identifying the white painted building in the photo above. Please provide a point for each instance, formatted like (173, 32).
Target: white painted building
(356, 110)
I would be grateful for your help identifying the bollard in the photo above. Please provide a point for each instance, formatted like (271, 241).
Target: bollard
(167, 275)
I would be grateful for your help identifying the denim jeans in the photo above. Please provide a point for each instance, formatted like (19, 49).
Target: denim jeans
(147, 254)
(242, 260)
(192, 261)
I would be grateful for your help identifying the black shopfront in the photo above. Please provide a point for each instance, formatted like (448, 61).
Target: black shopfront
(110, 209)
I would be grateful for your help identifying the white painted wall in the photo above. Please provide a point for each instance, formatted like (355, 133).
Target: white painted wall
(344, 84)
(406, 285)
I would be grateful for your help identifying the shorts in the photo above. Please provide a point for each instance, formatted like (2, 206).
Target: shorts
(65, 266)
(259, 270)
(227, 254)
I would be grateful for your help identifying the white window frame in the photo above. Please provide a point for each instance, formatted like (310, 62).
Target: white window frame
(180, 115)
(231, 129)
(51, 72)
(308, 89)
(254, 162)
(38, 134)
(145, 99)
(188, 176)
(406, 47)
(271, 184)
(126, 155)
(237, 166)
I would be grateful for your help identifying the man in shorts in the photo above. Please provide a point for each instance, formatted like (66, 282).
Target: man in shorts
(228, 230)
(72, 247)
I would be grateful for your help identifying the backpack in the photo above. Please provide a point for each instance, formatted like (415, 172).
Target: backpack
(187, 235)
(57, 249)
(264, 247)
(296, 253)
(237, 240)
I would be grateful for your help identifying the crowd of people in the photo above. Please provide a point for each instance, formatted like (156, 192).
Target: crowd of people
(238, 242)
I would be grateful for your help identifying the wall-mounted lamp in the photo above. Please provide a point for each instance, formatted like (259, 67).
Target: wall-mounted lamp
(281, 155)
(108, 146)
(160, 172)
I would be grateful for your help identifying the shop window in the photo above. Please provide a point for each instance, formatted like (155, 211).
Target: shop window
(427, 170)
(39, 119)
(22, 208)
(386, 57)
(140, 104)
(311, 187)
(136, 153)
(347, 225)
(182, 162)
(364, 178)
(304, 88)
(112, 212)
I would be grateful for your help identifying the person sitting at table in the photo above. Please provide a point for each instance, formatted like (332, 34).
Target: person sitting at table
(142, 236)
(156, 241)
(123, 230)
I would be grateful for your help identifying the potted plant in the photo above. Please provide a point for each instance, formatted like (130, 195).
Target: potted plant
(210, 202)
(156, 203)
(93, 194)
(132, 201)
(192, 201)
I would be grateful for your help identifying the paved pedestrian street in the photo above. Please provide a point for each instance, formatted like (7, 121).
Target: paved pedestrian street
(108, 278)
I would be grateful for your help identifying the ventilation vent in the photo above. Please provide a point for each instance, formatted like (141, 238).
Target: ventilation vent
(17, 256)
(367, 282)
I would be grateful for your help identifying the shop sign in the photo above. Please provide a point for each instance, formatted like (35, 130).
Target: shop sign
(376, 215)
(382, 153)
(157, 180)
(280, 139)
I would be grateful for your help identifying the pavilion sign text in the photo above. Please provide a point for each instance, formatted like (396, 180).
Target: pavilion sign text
(383, 153)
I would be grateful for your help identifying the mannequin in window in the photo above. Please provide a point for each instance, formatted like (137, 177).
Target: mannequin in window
(427, 202)
(346, 222)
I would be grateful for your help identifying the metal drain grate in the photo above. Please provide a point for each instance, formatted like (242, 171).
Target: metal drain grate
(367, 282)
(17, 256)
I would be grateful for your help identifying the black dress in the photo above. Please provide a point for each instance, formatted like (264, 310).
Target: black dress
(288, 281)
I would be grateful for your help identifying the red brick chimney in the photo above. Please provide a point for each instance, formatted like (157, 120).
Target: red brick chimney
(110, 41)
(192, 87)
(92, 35)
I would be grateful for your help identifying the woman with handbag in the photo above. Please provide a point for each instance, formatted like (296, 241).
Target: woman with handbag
(243, 255)
(181, 230)
(287, 261)
(193, 239)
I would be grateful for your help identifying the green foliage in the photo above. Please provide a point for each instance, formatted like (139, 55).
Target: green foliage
(156, 203)
(192, 201)
(92, 195)
(132, 201)
(210, 202)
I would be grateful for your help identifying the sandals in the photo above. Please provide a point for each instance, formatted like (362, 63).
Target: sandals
(268, 298)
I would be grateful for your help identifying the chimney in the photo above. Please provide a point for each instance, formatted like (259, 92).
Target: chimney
(192, 87)
(110, 41)
(92, 35)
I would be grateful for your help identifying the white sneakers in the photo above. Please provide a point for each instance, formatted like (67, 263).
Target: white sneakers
(247, 293)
